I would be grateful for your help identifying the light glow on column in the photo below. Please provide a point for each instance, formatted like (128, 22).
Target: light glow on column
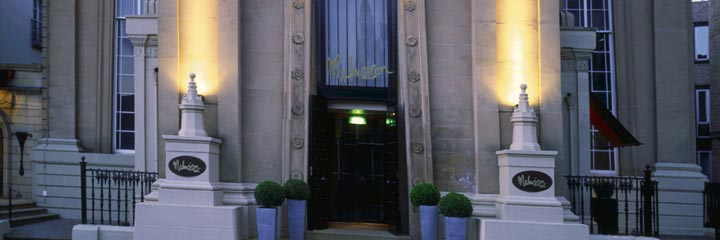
(197, 44)
(517, 48)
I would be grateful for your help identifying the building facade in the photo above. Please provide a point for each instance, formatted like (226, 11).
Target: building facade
(21, 88)
(366, 98)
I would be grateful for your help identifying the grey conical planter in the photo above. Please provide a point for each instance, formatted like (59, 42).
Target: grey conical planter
(296, 218)
(428, 222)
(267, 223)
(455, 228)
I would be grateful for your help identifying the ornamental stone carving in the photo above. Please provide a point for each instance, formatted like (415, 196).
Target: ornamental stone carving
(411, 40)
(298, 74)
(298, 143)
(415, 111)
(298, 109)
(418, 148)
(410, 6)
(138, 41)
(298, 4)
(568, 65)
(583, 66)
(297, 174)
(298, 38)
(151, 52)
(413, 76)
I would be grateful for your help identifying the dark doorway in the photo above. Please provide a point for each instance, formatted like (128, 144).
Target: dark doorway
(357, 167)
(356, 171)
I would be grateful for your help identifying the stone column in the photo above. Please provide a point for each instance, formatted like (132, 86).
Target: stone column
(62, 77)
(146, 134)
(485, 95)
(142, 32)
(577, 45)
(680, 180)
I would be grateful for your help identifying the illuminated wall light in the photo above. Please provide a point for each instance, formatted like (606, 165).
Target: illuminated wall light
(517, 48)
(198, 44)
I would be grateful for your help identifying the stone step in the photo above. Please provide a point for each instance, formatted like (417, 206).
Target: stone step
(352, 234)
(20, 212)
(17, 204)
(19, 221)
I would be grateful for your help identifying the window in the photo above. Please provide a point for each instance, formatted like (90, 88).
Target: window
(356, 43)
(355, 48)
(36, 24)
(699, 0)
(124, 102)
(598, 14)
(702, 38)
(702, 112)
(704, 160)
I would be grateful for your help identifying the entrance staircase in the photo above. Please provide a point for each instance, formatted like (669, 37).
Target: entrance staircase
(352, 234)
(25, 212)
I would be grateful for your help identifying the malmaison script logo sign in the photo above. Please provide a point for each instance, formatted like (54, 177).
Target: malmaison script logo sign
(187, 166)
(532, 181)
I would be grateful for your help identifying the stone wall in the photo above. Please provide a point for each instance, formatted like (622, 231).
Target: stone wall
(450, 68)
(20, 111)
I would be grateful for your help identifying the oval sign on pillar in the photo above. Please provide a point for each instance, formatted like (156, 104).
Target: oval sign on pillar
(187, 166)
(532, 181)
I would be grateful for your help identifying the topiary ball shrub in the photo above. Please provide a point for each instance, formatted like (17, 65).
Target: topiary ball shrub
(603, 189)
(424, 194)
(455, 205)
(269, 194)
(297, 190)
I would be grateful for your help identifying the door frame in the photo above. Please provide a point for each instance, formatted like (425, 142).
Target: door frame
(413, 92)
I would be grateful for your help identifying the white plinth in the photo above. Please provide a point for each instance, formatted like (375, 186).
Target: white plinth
(529, 214)
(181, 222)
(514, 230)
(200, 190)
(517, 205)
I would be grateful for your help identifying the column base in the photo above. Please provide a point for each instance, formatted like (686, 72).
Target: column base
(680, 198)
(58, 144)
(491, 229)
(180, 222)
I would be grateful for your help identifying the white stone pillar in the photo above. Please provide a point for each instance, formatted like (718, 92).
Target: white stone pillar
(142, 31)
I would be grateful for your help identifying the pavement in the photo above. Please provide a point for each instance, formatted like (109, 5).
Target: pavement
(684, 238)
(61, 229)
(58, 229)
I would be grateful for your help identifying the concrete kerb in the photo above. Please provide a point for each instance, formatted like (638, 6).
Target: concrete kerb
(102, 232)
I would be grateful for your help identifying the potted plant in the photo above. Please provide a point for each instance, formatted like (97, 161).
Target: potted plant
(427, 197)
(604, 208)
(297, 192)
(269, 196)
(456, 208)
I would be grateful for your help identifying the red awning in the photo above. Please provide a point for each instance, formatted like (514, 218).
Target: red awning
(609, 126)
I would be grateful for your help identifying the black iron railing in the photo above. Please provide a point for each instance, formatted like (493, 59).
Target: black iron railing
(624, 205)
(711, 203)
(113, 194)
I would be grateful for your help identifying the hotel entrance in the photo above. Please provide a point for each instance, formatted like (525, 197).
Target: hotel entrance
(356, 174)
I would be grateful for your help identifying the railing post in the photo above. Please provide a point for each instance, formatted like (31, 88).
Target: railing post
(83, 190)
(647, 194)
